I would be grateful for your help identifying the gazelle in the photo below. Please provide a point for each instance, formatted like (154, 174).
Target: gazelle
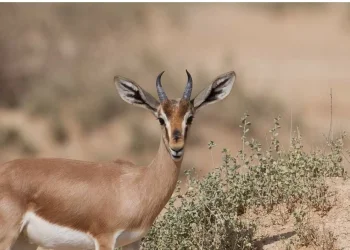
(69, 204)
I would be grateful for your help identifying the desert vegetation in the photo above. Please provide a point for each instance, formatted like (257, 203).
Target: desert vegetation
(220, 210)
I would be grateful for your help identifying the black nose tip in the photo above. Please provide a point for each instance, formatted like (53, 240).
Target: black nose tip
(177, 150)
(176, 135)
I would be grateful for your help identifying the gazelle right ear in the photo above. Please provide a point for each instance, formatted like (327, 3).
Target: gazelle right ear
(216, 91)
(132, 93)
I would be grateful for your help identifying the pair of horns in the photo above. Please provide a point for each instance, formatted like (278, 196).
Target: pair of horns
(187, 93)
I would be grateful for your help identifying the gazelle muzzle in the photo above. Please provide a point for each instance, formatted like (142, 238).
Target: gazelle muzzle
(176, 154)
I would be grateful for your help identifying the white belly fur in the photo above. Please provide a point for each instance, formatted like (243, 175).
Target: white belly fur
(48, 235)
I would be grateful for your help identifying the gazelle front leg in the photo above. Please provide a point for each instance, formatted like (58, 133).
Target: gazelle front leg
(105, 243)
(11, 213)
(133, 246)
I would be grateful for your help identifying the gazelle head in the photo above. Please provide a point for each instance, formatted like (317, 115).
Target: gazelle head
(175, 116)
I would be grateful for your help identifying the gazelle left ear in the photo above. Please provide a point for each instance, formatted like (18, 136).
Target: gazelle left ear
(217, 91)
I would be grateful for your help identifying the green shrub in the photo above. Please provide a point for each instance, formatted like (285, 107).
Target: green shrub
(208, 214)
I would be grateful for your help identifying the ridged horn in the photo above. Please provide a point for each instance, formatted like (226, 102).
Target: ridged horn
(188, 89)
(161, 94)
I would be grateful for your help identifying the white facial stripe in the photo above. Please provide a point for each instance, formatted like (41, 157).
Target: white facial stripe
(184, 122)
(167, 123)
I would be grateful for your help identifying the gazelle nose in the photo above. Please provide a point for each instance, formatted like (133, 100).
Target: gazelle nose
(177, 150)
(176, 135)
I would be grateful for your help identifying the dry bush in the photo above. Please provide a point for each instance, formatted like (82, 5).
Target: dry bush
(208, 214)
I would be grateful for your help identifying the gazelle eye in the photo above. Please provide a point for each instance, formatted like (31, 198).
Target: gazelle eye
(161, 121)
(189, 120)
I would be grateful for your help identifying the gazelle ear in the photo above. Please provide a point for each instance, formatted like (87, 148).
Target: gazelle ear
(217, 91)
(132, 93)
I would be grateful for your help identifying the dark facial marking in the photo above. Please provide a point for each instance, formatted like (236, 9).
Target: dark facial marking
(161, 121)
(189, 120)
(176, 134)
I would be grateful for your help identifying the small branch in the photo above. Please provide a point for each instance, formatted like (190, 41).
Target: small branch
(291, 127)
(346, 158)
(330, 133)
(212, 158)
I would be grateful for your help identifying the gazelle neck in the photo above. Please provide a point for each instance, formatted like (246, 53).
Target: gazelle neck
(163, 159)
(162, 175)
(163, 169)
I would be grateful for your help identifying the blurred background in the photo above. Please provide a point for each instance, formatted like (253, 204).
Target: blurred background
(58, 60)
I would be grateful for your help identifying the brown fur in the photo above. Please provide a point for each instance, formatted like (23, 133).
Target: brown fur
(175, 111)
(102, 198)
(98, 198)
(90, 197)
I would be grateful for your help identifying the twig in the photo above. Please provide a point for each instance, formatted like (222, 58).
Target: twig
(330, 134)
(291, 127)
(212, 158)
(346, 158)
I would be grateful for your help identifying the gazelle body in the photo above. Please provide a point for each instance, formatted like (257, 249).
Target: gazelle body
(67, 204)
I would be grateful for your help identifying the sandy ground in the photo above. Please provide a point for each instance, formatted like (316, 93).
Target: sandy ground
(275, 231)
